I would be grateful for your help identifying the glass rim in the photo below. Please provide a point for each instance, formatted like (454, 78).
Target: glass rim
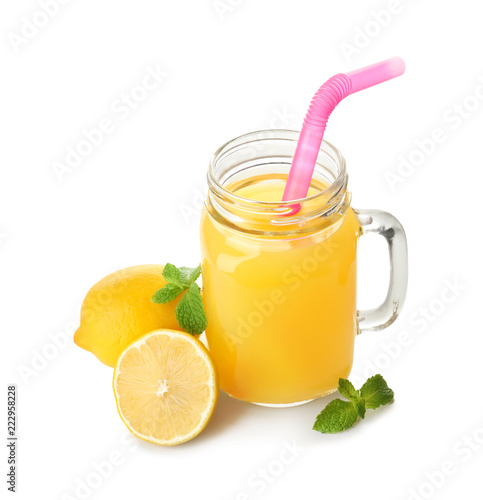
(271, 134)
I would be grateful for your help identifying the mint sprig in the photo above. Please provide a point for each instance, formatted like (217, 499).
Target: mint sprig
(190, 313)
(341, 415)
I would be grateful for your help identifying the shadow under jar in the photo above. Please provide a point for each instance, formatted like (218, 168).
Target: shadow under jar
(279, 285)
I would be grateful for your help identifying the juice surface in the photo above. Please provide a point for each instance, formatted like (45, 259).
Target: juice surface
(281, 311)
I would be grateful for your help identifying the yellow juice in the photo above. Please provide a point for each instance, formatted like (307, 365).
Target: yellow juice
(281, 308)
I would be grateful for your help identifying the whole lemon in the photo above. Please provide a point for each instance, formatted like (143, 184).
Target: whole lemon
(118, 310)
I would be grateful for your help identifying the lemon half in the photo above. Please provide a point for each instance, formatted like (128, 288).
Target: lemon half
(166, 387)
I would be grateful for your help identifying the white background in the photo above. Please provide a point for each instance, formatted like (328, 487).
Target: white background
(233, 67)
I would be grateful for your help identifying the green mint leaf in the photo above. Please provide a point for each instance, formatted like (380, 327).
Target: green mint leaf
(376, 392)
(337, 416)
(172, 274)
(166, 294)
(189, 274)
(340, 415)
(347, 390)
(190, 313)
(360, 406)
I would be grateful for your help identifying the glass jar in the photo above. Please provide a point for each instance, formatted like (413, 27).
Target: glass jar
(279, 285)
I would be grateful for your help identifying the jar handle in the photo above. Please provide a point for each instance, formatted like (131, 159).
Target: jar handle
(376, 221)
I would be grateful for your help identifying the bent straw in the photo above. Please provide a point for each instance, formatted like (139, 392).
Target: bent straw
(322, 105)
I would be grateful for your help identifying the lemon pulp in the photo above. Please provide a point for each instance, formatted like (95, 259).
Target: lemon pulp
(165, 387)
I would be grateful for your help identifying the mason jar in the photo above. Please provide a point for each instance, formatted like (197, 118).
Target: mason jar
(279, 278)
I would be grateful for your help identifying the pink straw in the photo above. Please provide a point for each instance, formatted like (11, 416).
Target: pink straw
(322, 105)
